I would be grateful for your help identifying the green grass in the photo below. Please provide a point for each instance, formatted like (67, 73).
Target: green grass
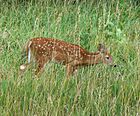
(97, 90)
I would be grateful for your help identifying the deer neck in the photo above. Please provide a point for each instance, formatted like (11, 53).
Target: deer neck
(92, 58)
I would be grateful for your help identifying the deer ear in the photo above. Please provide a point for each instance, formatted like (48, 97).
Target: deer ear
(101, 48)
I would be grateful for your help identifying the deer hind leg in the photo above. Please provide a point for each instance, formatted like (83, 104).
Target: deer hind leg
(41, 61)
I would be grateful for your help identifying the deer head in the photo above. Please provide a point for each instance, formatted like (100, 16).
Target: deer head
(106, 57)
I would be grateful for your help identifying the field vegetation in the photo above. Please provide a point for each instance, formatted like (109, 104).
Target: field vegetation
(99, 90)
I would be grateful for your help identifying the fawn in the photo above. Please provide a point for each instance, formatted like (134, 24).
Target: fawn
(72, 56)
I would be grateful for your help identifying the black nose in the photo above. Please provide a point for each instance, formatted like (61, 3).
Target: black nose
(115, 65)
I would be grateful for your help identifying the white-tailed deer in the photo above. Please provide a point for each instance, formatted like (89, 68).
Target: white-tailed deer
(72, 56)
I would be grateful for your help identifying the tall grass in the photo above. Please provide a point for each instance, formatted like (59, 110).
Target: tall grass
(97, 90)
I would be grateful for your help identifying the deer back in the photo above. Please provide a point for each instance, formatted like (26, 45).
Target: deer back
(57, 50)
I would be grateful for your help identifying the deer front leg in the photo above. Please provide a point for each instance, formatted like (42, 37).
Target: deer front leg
(69, 70)
(75, 70)
(72, 68)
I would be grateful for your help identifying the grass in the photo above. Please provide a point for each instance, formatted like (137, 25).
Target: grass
(98, 90)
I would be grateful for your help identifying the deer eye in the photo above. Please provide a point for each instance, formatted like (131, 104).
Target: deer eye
(107, 57)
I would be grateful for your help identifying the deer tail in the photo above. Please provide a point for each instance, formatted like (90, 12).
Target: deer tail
(26, 55)
(28, 49)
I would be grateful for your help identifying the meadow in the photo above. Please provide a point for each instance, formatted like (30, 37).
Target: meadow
(98, 90)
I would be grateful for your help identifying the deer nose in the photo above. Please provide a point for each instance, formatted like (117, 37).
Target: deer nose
(115, 65)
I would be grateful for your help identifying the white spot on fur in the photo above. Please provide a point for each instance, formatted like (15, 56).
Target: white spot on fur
(46, 43)
(44, 48)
